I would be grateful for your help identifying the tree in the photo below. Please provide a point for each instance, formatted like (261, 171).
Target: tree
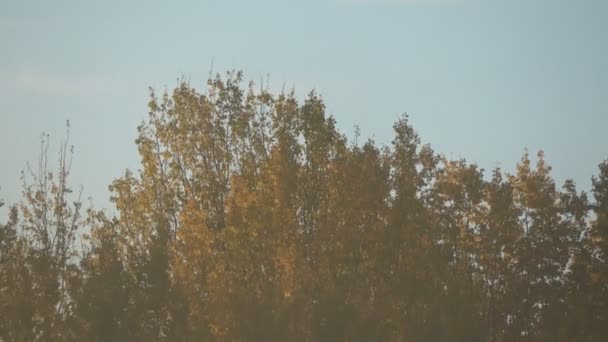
(542, 251)
(598, 241)
(40, 272)
(16, 283)
(102, 302)
(496, 250)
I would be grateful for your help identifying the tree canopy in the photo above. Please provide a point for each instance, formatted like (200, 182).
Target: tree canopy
(253, 218)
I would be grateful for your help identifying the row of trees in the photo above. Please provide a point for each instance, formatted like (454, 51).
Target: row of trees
(253, 218)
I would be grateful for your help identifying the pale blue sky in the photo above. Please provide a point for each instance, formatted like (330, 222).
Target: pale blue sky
(481, 79)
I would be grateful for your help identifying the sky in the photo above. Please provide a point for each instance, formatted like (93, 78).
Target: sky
(481, 80)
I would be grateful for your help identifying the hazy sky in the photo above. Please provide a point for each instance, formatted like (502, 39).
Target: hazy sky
(481, 80)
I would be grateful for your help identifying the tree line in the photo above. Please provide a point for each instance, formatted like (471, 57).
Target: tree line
(252, 218)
